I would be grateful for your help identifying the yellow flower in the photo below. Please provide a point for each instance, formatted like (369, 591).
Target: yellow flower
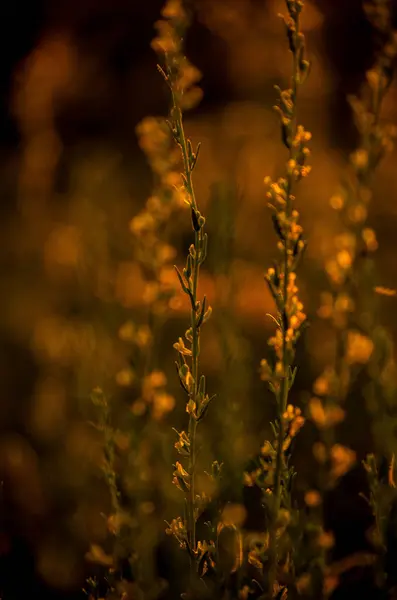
(143, 223)
(127, 332)
(125, 377)
(325, 417)
(174, 10)
(165, 44)
(181, 348)
(337, 202)
(138, 408)
(191, 98)
(359, 348)
(97, 555)
(180, 470)
(313, 498)
(162, 404)
(322, 385)
(265, 370)
(360, 158)
(344, 259)
(143, 336)
(320, 452)
(369, 237)
(357, 213)
(342, 460)
(326, 540)
(156, 379)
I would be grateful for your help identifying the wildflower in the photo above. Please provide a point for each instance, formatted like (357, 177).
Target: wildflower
(326, 540)
(337, 201)
(147, 508)
(360, 159)
(163, 403)
(331, 582)
(320, 452)
(265, 370)
(369, 238)
(342, 459)
(138, 408)
(325, 417)
(357, 213)
(344, 259)
(125, 377)
(303, 583)
(156, 379)
(174, 11)
(183, 444)
(143, 336)
(313, 498)
(359, 348)
(177, 528)
(97, 555)
(142, 224)
(181, 477)
(322, 385)
(127, 332)
(181, 348)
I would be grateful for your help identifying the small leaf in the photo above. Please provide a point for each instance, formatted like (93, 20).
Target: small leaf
(195, 220)
(183, 286)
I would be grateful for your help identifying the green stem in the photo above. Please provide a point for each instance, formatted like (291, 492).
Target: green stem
(282, 396)
(195, 336)
(273, 558)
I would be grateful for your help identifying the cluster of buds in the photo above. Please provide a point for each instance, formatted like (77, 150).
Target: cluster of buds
(376, 140)
(198, 398)
(346, 305)
(281, 277)
(289, 324)
(181, 478)
(296, 40)
(177, 528)
(154, 397)
(148, 227)
(293, 422)
(263, 473)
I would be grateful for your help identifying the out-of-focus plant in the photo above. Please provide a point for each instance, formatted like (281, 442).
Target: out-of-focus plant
(363, 350)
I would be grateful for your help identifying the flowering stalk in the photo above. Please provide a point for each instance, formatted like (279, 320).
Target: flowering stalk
(351, 304)
(281, 278)
(180, 77)
(352, 266)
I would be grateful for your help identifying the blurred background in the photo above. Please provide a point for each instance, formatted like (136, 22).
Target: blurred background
(76, 79)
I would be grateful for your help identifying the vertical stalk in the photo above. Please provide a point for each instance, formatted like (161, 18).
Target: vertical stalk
(180, 77)
(281, 278)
